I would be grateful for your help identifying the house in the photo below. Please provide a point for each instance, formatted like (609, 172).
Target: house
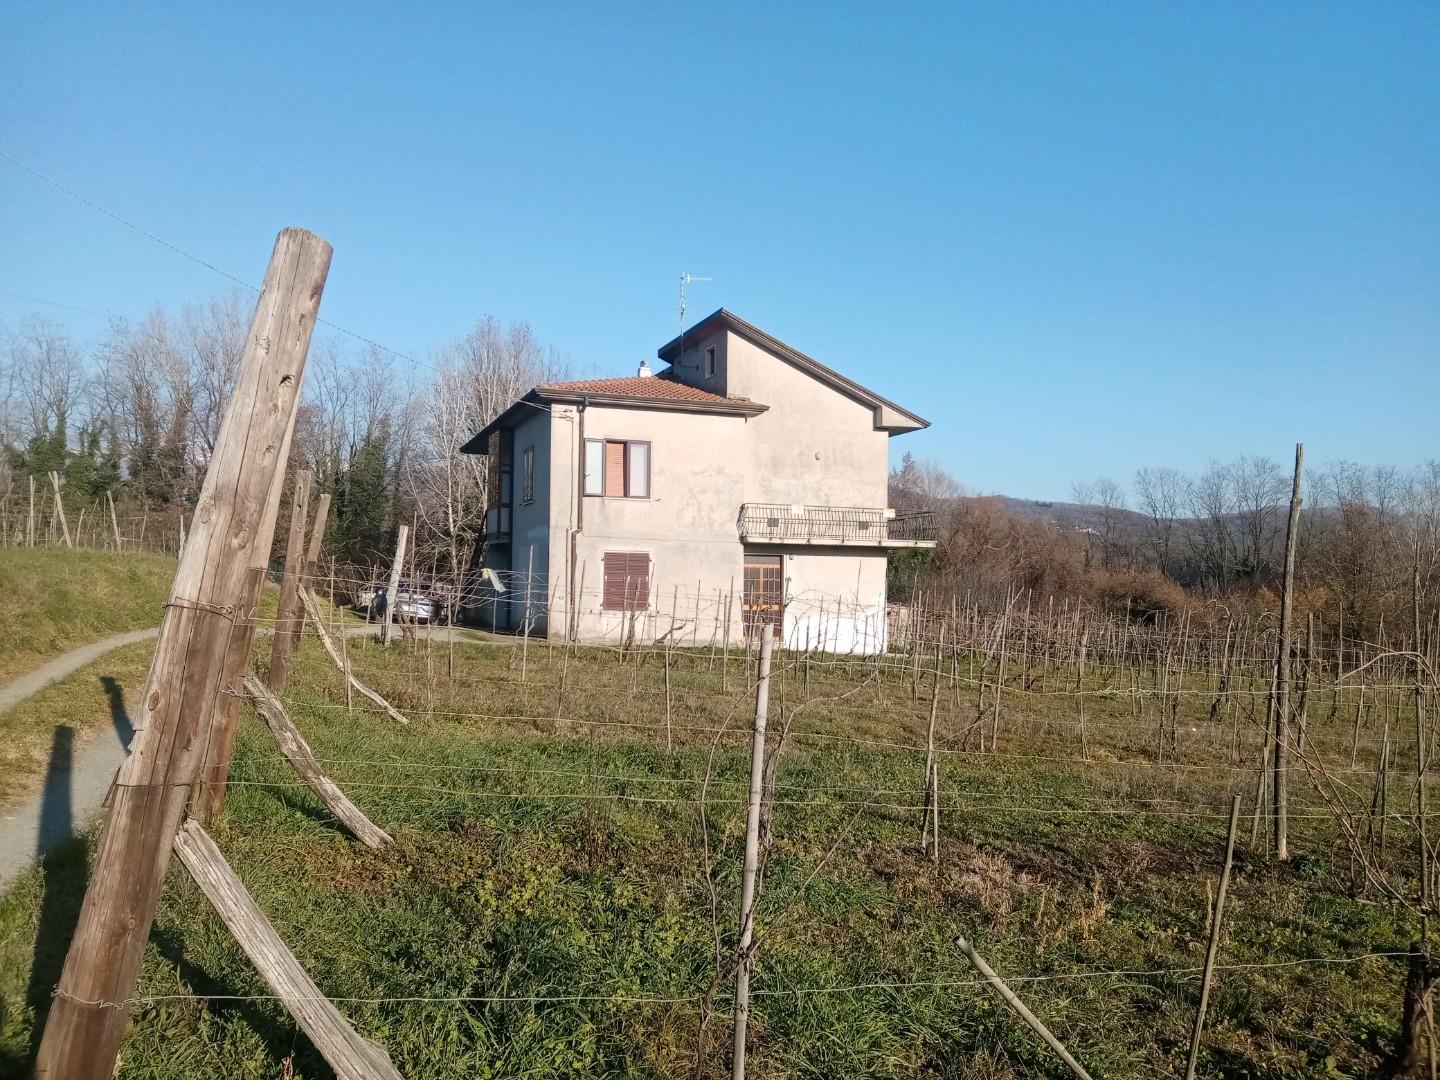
(745, 484)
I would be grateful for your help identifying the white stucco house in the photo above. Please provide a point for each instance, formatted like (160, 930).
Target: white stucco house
(744, 483)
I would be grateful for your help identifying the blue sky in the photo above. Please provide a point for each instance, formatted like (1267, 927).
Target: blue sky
(1078, 238)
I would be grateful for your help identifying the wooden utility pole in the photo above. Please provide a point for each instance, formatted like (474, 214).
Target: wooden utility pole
(394, 586)
(752, 854)
(1280, 789)
(209, 796)
(289, 616)
(177, 706)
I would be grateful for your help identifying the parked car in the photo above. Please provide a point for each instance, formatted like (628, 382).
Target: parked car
(365, 597)
(412, 604)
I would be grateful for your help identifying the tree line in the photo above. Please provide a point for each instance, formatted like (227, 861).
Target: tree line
(134, 417)
(1173, 539)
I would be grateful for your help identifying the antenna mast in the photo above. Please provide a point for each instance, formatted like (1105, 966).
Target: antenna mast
(686, 279)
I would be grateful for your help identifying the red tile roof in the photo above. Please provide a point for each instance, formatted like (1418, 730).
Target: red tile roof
(642, 387)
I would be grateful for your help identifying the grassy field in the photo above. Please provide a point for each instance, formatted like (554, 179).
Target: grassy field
(546, 909)
(56, 600)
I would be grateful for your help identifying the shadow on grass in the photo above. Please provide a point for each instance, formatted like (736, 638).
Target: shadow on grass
(64, 873)
(275, 1029)
(119, 715)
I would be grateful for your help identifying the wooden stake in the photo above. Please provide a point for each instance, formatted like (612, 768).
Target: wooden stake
(1214, 946)
(297, 751)
(178, 703)
(351, 1056)
(394, 587)
(1280, 788)
(1018, 1006)
(289, 615)
(343, 663)
(752, 854)
(115, 525)
(60, 508)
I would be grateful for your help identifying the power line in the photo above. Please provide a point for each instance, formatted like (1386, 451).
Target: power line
(57, 185)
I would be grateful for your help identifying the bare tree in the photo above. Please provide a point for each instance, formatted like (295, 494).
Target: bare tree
(476, 378)
(1161, 495)
(1108, 499)
(212, 338)
(49, 378)
(1258, 489)
(921, 483)
(1210, 504)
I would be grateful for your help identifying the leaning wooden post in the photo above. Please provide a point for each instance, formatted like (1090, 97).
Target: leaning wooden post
(752, 854)
(1031, 1020)
(394, 587)
(87, 1019)
(348, 1053)
(927, 817)
(1214, 946)
(60, 508)
(1280, 788)
(209, 797)
(289, 616)
(312, 553)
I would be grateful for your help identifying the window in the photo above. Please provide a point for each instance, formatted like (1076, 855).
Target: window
(627, 581)
(527, 475)
(617, 469)
(710, 362)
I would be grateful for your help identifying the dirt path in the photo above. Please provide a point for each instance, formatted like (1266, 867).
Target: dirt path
(75, 783)
(69, 797)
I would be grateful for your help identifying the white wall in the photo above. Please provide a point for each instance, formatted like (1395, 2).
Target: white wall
(835, 600)
(687, 525)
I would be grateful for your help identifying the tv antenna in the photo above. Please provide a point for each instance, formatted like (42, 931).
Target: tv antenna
(686, 279)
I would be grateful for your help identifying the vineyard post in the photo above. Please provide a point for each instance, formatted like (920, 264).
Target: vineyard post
(1280, 787)
(752, 853)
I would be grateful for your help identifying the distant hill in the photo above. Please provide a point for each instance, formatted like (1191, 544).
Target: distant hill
(1069, 516)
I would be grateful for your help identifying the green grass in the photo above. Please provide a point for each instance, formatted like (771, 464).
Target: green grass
(536, 860)
(56, 600)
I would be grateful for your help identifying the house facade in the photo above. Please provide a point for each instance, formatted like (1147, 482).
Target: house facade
(743, 485)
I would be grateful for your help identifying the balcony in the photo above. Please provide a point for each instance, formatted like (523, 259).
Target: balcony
(845, 526)
(497, 525)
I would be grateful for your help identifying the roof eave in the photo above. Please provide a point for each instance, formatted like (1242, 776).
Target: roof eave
(479, 444)
(624, 401)
(911, 422)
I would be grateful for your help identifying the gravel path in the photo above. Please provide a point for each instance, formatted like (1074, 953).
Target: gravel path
(75, 783)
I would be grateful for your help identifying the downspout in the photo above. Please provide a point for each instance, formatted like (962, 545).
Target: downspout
(579, 517)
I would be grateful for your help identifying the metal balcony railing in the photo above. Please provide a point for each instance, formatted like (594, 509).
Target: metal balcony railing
(786, 524)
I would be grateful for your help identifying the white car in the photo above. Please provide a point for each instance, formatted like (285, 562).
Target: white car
(411, 605)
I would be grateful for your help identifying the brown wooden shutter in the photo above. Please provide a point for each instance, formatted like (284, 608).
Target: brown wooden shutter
(614, 468)
(627, 581)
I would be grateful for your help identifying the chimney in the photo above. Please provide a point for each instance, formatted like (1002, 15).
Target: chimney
(644, 371)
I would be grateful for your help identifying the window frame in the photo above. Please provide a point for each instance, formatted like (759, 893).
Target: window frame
(711, 364)
(585, 472)
(527, 476)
